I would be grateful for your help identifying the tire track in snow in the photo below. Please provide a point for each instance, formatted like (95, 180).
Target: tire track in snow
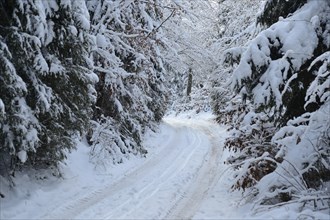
(71, 208)
(151, 189)
(172, 182)
(75, 208)
(164, 179)
(187, 206)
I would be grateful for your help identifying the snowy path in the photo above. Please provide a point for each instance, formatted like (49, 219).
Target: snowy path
(182, 167)
(170, 184)
(182, 177)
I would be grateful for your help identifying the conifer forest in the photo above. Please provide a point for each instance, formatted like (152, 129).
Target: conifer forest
(165, 109)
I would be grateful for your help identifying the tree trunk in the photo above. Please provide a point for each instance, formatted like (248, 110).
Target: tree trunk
(189, 84)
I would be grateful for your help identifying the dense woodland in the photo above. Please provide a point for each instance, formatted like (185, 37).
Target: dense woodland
(107, 70)
(280, 113)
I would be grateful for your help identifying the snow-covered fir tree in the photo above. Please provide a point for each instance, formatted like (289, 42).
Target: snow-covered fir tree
(235, 29)
(46, 82)
(131, 95)
(281, 129)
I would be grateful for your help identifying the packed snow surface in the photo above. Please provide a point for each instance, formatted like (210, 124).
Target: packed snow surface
(182, 177)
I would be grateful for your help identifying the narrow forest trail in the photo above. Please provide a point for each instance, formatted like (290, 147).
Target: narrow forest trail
(170, 184)
(178, 179)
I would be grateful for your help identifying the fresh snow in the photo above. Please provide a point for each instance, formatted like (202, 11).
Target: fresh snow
(22, 156)
(182, 167)
(2, 107)
(182, 177)
(289, 35)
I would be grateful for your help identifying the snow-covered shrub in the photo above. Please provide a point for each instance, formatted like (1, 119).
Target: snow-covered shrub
(254, 151)
(121, 144)
(130, 91)
(46, 83)
(303, 175)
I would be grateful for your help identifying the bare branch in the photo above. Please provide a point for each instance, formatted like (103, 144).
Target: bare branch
(156, 29)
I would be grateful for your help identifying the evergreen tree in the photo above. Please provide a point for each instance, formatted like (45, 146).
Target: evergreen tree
(236, 28)
(131, 95)
(281, 133)
(46, 82)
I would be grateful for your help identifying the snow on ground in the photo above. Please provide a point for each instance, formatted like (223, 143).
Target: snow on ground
(182, 177)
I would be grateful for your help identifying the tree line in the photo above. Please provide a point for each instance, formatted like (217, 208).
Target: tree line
(277, 104)
(78, 68)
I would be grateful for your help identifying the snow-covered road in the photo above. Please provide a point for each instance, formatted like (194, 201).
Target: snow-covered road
(183, 165)
(182, 177)
(171, 183)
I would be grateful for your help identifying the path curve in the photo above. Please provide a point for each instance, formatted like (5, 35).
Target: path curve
(169, 185)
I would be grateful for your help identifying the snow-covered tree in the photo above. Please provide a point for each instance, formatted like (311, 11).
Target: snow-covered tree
(46, 82)
(190, 32)
(236, 28)
(281, 137)
(131, 95)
